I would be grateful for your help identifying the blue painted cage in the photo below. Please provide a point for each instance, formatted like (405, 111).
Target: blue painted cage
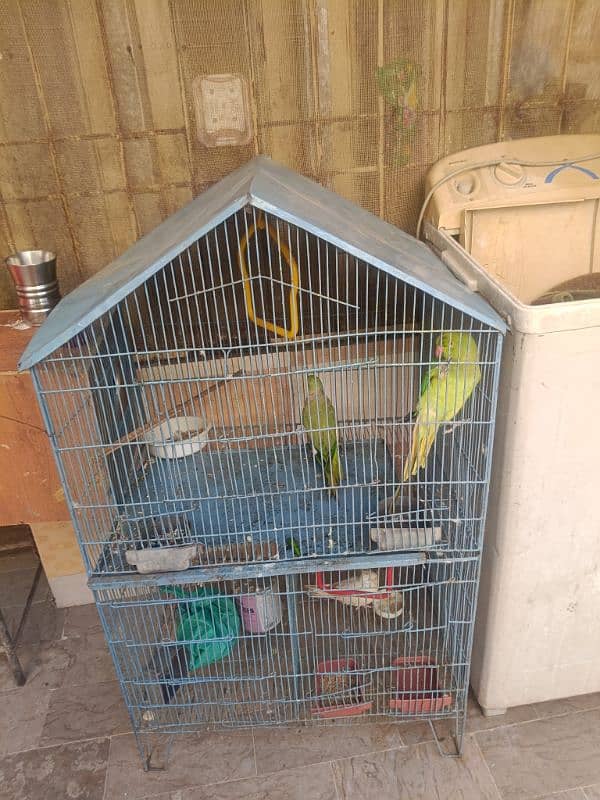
(173, 384)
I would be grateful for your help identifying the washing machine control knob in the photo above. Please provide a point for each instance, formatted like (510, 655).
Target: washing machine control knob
(466, 184)
(509, 174)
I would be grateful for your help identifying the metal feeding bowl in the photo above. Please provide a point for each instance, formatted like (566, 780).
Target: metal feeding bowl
(34, 276)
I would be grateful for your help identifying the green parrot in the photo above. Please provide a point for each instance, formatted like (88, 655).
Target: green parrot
(318, 418)
(445, 389)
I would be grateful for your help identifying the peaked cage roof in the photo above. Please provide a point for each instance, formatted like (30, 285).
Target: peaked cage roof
(291, 197)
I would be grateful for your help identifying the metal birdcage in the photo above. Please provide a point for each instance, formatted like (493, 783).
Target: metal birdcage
(179, 389)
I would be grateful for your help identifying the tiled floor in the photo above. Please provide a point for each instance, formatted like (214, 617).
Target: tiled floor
(65, 735)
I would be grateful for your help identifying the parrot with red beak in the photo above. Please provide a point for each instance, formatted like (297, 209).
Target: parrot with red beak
(445, 389)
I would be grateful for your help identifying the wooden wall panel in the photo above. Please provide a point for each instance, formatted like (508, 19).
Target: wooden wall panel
(211, 39)
(285, 88)
(98, 139)
(582, 78)
(539, 44)
(21, 117)
(475, 45)
(159, 55)
(54, 55)
(536, 72)
(92, 65)
(582, 74)
(30, 489)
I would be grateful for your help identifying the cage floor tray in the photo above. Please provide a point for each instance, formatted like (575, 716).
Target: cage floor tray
(266, 495)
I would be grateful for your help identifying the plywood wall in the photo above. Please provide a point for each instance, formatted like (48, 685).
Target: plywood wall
(98, 139)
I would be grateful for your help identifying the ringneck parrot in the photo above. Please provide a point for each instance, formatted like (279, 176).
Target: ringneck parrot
(445, 389)
(318, 419)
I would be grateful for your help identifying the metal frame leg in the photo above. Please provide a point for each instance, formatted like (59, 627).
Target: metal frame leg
(8, 643)
(460, 721)
(9, 648)
(457, 738)
(154, 749)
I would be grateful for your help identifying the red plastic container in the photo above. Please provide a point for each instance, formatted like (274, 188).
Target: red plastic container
(389, 582)
(325, 678)
(417, 685)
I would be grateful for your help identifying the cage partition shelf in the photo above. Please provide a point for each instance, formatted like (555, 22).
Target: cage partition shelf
(260, 495)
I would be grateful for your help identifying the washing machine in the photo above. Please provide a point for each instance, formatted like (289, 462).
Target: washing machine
(519, 222)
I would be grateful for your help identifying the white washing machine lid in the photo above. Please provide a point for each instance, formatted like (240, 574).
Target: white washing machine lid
(515, 219)
(489, 176)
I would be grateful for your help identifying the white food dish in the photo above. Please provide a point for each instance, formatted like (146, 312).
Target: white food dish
(164, 440)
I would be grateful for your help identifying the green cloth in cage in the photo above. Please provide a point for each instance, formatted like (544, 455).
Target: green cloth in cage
(208, 625)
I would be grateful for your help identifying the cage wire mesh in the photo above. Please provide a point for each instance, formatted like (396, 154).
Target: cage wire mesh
(177, 416)
(345, 645)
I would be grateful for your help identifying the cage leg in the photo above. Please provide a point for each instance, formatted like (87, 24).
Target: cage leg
(459, 731)
(461, 720)
(154, 750)
(454, 750)
(291, 586)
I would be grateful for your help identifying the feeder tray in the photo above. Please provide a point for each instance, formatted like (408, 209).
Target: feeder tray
(405, 538)
(162, 559)
(340, 690)
(356, 591)
(240, 552)
(387, 603)
(417, 685)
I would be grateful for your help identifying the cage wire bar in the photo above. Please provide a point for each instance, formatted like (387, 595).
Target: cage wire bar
(236, 587)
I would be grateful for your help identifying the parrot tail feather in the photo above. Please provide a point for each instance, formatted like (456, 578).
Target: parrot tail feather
(422, 442)
(336, 469)
(333, 470)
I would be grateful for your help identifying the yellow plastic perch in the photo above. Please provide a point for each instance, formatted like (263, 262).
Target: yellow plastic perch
(292, 331)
